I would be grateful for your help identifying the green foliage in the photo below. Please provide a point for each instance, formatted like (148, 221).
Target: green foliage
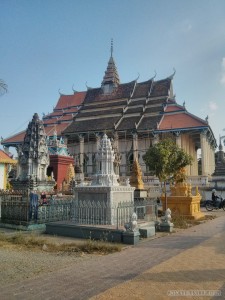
(166, 159)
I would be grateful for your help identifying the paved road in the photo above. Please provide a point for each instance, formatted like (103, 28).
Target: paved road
(196, 255)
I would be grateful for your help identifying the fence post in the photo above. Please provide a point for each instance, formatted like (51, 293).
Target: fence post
(117, 217)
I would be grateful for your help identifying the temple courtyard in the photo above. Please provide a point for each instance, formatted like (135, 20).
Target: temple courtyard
(186, 264)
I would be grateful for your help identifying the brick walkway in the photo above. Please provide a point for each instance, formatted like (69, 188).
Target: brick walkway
(190, 259)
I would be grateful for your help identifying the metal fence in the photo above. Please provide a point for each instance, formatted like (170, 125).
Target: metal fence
(15, 209)
(101, 213)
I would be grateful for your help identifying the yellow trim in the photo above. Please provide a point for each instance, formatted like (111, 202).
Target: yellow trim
(8, 161)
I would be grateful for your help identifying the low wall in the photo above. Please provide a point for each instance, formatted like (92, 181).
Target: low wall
(85, 232)
(99, 233)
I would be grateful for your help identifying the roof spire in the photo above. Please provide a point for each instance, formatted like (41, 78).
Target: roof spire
(111, 47)
(111, 78)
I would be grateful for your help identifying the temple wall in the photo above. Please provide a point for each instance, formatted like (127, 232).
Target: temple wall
(143, 147)
(127, 148)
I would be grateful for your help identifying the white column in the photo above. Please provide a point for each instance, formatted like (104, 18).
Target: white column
(155, 139)
(212, 159)
(203, 152)
(178, 139)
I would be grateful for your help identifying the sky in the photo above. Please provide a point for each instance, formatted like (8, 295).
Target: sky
(52, 46)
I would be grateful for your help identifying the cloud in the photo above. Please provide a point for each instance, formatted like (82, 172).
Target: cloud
(222, 80)
(213, 106)
(210, 109)
(186, 26)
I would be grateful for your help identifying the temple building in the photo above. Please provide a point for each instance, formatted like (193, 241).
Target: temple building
(134, 115)
(5, 166)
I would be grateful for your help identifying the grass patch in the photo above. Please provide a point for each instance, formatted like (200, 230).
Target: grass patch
(34, 242)
(92, 246)
(184, 223)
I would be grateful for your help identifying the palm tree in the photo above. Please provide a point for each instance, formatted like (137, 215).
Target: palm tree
(3, 87)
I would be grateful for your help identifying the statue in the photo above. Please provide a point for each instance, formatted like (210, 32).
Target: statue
(132, 225)
(127, 182)
(167, 218)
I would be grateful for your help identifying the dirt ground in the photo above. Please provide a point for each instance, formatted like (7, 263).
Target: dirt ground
(18, 264)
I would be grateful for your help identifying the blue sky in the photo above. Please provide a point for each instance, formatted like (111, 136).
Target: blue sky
(47, 45)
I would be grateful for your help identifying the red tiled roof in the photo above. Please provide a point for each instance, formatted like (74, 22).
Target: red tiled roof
(51, 121)
(70, 100)
(66, 118)
(58, 127)
(71, 110)
(170, 108)
(53, 114)
(180, 120)
(5, 158)
(49, 129)
(17, 138)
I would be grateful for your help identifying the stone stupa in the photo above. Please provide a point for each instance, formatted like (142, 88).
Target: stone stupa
(105, 189)
(33, 160)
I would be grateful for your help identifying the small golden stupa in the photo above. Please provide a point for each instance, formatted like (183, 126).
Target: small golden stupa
(181, 200)
(136, 176)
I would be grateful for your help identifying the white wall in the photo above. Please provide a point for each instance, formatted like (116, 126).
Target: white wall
(2, 175)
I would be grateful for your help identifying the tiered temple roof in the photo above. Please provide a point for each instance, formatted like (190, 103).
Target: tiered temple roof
(133, 106)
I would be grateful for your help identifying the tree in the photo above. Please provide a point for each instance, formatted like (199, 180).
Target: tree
(3, 87)
(167, 160)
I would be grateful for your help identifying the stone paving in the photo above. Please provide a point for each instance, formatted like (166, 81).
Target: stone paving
(189, 260)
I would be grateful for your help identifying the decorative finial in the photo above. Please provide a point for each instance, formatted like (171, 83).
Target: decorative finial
(137, 77)
(88, 87)
(207, 119)
(154, 75)
(184, 104)
(111, 47)
(174, 72)
(74, 91)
